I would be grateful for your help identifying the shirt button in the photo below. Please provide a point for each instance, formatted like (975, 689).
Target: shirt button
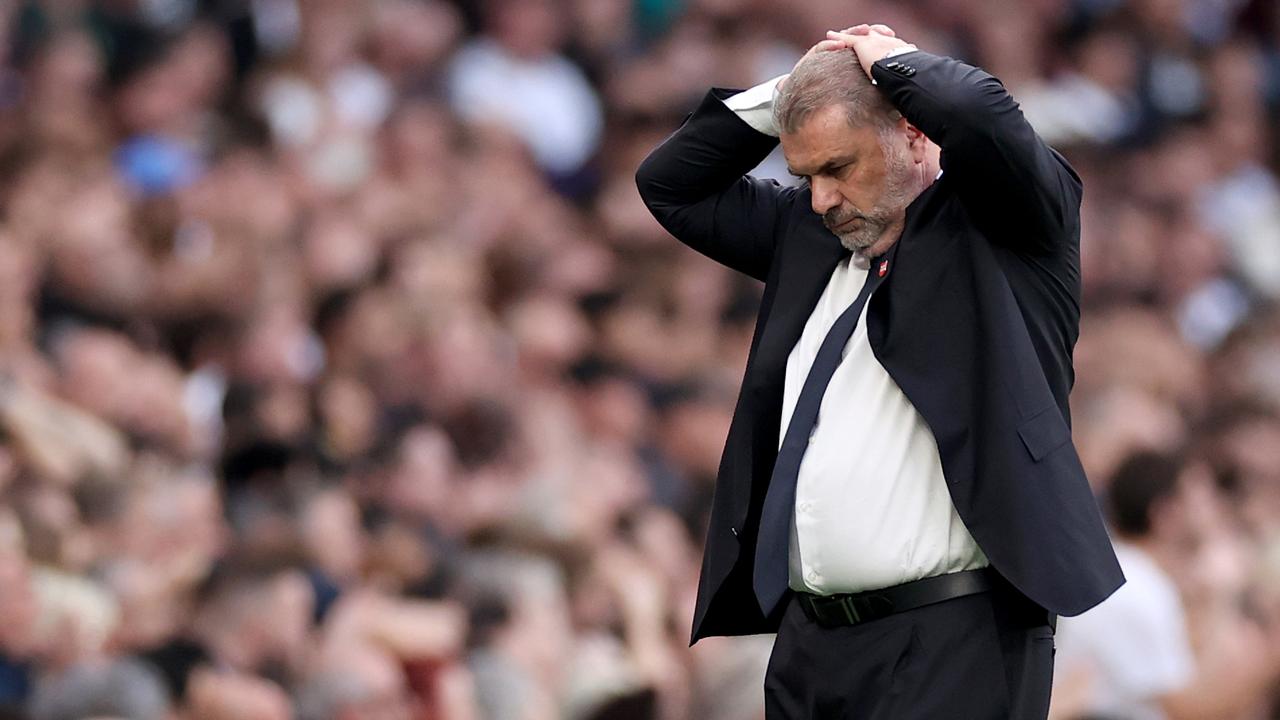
(812, 575)
(804, 507)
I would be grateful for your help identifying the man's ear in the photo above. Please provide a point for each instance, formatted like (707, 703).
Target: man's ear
(916, 141)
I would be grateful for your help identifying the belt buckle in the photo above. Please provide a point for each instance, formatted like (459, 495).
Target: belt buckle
(812, 608)
(809, 604)
(849, 609)
(862, 608)
(845, 610)
(835, 611)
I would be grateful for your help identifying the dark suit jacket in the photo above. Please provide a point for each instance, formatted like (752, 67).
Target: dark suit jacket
(975, 321)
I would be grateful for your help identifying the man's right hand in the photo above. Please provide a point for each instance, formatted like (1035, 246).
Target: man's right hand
(870, 42)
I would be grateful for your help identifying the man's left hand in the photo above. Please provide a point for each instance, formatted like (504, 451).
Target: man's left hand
(870, 42)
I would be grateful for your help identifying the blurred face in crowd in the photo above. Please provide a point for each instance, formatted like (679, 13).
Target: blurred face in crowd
(862, 177)
(528, 28)
(18, 605)
(423, 296)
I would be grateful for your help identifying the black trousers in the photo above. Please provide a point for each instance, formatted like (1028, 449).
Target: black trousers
(971, 658)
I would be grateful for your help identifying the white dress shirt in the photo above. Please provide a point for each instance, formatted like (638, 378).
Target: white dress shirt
(872, 505)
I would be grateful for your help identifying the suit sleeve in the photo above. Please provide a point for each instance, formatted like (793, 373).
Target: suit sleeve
(1020, 191)
(695, 184)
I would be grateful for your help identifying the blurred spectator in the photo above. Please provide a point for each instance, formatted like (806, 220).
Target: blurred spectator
(1132, 656)
(122, 688)
(343, 373)
(514, 76)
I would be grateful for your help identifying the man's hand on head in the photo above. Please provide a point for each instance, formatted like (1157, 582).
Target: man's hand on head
(870, 42)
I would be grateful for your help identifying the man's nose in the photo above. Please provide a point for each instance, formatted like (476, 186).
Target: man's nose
(824, 196)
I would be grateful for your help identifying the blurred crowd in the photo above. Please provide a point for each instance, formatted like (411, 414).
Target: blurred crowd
(344, 375)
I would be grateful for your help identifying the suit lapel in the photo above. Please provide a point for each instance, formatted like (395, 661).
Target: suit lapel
(808, 259)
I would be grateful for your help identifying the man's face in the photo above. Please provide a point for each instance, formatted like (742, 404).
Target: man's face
(861, 184)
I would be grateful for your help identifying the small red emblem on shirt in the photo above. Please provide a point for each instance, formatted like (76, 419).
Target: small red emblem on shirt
(884, 267)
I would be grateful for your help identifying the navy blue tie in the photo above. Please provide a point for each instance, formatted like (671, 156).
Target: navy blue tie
(770, 575)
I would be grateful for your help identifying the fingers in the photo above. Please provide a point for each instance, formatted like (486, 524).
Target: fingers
(829, 45)
(846, 38)
(865, 29)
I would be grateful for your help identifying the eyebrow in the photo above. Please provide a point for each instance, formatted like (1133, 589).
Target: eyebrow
(829, 167)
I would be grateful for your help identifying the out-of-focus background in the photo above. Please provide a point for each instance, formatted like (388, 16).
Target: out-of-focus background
(344, 375)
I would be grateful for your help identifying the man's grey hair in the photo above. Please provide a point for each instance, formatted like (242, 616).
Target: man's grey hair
(832, 77)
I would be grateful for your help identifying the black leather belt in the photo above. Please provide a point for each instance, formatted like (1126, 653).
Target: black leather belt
(858, 608)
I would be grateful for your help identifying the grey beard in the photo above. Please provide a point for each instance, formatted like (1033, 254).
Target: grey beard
(890, 209)
(864, 237)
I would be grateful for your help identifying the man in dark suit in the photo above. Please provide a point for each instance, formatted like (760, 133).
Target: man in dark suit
(899, 498)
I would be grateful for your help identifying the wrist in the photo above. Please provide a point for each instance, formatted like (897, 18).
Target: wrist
(890, 53)
(893, 52)
(755, 106)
